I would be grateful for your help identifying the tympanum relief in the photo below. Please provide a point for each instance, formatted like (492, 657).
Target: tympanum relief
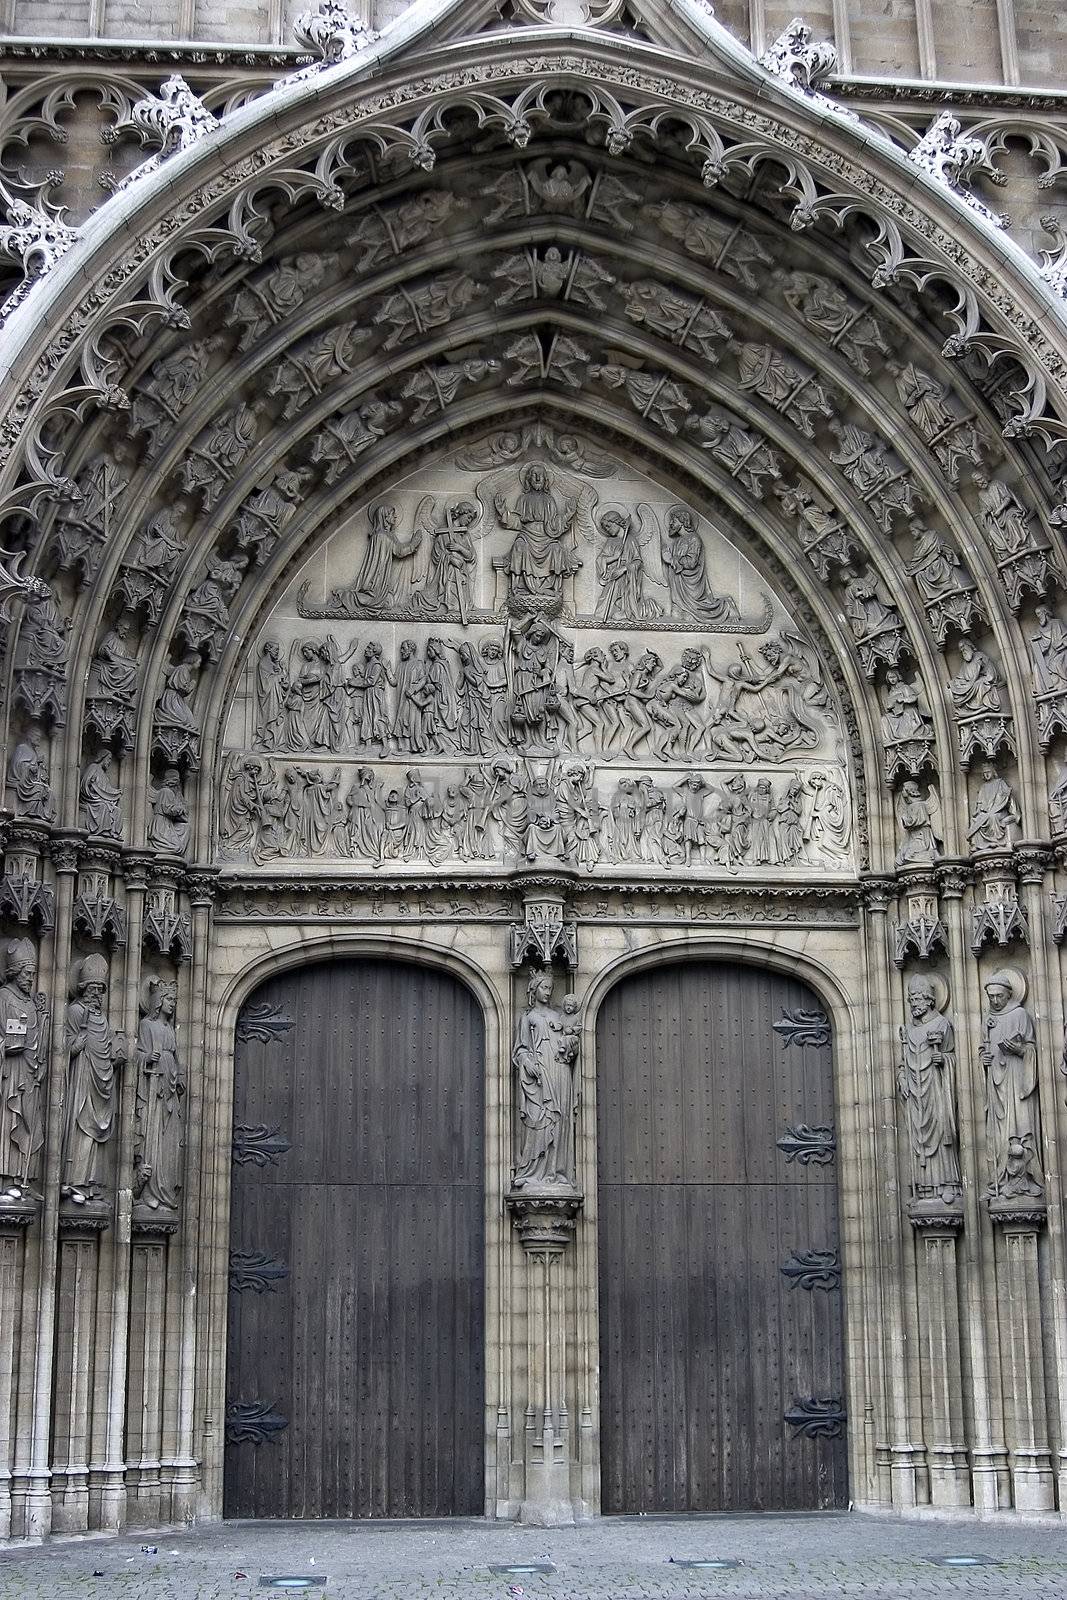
(532, 655)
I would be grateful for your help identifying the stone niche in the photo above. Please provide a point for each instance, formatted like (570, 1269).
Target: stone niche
(530, 655)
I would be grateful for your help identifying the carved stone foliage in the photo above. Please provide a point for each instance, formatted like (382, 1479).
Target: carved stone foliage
(95, 1056)
(926, 1079)
(534, 665)
(1008, 1053)
(545, 1060)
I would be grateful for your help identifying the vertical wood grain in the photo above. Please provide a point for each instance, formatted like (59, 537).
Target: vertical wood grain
(372, 1347)
(704, 1344)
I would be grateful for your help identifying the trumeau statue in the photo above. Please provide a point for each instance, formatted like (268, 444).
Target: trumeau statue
(512, 666)
(926, 1077)
(92, 1093)
(1008, 1053)
(545, 1057)
(23, 1066)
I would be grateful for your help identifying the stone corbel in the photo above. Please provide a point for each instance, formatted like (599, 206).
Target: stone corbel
(165, 928)
(545, 933)
(997, 916)
(24, 897)
(96, 912)
(921, 933)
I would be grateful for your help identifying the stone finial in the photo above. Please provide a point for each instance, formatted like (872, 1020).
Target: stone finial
(953, 159)
(796, 60)
(176, 117)
(334, 31)
(1054, 262)
(33, 236)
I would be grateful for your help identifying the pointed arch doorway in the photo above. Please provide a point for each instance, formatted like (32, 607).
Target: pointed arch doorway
(722, 1371)
(355, 1366)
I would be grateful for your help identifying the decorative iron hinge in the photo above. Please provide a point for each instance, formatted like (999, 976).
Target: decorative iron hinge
(251, 1269)
(262, 1021)
(803, 1027)
(253, 1422)
(808, 1144)
(817, 1418)
(812, 1269)
(259, 1145)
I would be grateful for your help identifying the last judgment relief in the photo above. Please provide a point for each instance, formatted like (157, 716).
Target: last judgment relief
(530, 655)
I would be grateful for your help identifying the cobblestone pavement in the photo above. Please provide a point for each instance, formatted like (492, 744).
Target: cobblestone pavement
(781, 1558)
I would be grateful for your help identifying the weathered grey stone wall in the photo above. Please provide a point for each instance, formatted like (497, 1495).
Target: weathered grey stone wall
(955, 41)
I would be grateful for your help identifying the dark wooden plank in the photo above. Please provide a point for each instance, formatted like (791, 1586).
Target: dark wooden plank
(704, 1344)
(373, 1346)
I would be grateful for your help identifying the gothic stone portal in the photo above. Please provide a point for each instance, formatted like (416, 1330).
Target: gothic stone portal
(529, 655)
(356, 1342)
(722, 1375)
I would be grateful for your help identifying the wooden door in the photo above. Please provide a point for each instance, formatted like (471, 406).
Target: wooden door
(355, 1362)
(722, 1382)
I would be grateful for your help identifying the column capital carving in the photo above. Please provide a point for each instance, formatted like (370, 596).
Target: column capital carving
(1033, 859)
(878, 891)
(930, 1216)
(202, 885)
(545, 1223)
(135, 868)
(1017, 1215)
(64, 849)
(954, 876)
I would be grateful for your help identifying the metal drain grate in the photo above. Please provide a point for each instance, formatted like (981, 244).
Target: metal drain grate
(523, 1568)
(704, 1563)
(962, 1561)
(295, 1580)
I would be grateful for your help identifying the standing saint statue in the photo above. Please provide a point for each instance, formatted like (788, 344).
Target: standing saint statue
(685, 565)
(377, 583)
(159, 1096)
(92, 1096)
(926, 1079)
(544, 1055)
(1008, 1052)
(22, 1068)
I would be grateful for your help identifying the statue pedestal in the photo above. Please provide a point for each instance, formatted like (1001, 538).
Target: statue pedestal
(937, 1223)
(1019, 1219)
(545, 1220)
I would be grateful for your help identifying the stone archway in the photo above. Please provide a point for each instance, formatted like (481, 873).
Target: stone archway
(527, 249)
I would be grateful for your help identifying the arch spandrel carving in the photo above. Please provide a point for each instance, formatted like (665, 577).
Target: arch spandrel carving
(530, 653)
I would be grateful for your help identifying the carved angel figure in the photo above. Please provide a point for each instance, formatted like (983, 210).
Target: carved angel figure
(919, 820)
(560, 187)
(620, 566)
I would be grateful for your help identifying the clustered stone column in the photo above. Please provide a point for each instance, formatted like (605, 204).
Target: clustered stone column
(91, 1180)
(974, 1076)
